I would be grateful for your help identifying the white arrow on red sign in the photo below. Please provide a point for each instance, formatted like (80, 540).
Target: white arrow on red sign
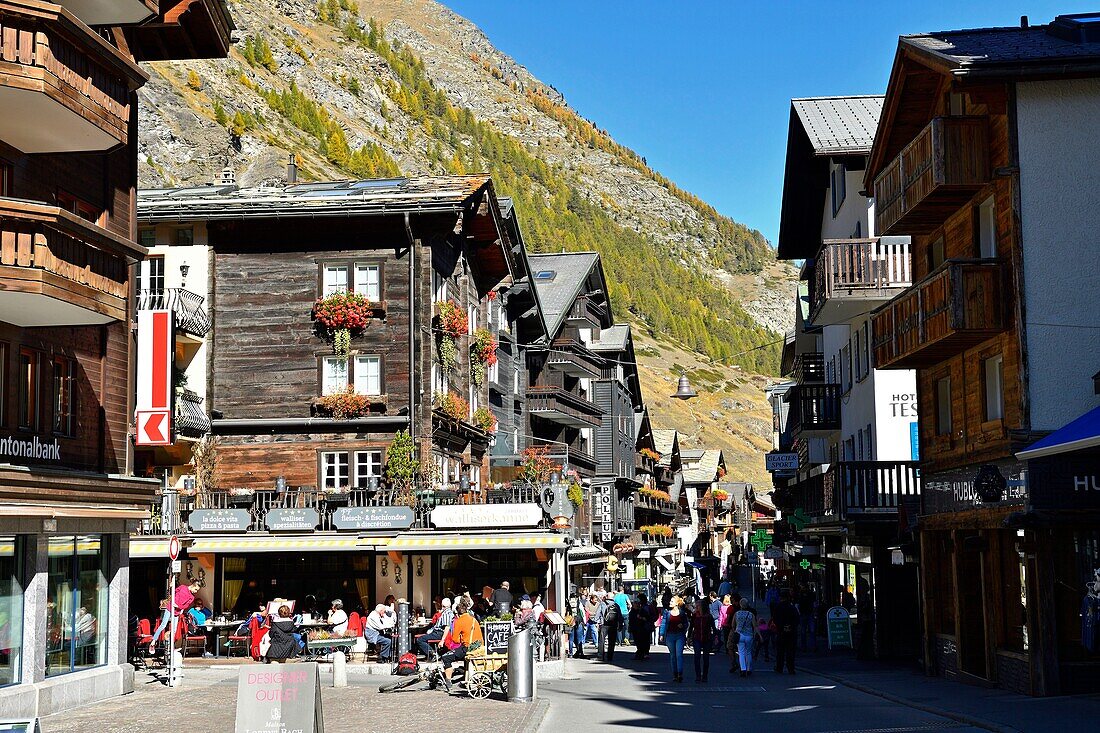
(154, 427)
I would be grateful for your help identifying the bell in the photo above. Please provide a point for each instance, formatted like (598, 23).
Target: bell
(683, 389)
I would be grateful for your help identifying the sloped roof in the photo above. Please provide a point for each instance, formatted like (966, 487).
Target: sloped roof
(557, 295)
(664, 442)
(702, 469)
(614, 338)
(839, 125)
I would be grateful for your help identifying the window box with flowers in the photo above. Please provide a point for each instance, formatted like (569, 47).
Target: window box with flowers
(650, 454)
(720, 495)
(655, 494)
(335, 495)
(663, 531)
(483, 354)
(452, 406)
(347, 404)
(452, 323)
(240, 497)
(486, 420)
(339, 317)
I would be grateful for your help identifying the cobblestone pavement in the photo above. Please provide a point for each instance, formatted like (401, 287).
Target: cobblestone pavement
(207, 702)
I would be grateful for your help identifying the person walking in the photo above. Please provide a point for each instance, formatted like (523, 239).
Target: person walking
(591, 630)
(702, 637)
(715, 609)
(611, 620)
(640, 620)
(623, 601)
(580, 622)
(785, 616)
(807, 629)
(674, 628)
(741, 637)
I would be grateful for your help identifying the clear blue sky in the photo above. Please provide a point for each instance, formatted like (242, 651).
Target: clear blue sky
(702, 88)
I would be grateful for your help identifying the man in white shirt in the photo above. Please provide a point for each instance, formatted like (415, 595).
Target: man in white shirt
(338, 618)
(380, 623)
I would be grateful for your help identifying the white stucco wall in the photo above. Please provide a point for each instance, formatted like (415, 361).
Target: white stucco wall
(1060, 217)
(855, 208)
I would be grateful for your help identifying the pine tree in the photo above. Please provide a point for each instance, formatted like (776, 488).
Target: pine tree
(219, 113)
(194, 81)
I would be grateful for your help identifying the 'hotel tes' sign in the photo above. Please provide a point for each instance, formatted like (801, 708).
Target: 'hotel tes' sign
(486, 515)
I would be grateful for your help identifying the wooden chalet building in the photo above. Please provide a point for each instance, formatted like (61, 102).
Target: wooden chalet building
(305, 498)
(68, 171)
(986, 156)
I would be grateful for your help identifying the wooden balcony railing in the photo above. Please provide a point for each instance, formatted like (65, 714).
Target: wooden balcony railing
(188, 308)
(65, 89)
(853, 271)
(809, 368)
(586, 309)
(572, 357)
(936, 173)
(77, 272)
(654, 504)
(957, 306)
(813, 407)
(560, 405)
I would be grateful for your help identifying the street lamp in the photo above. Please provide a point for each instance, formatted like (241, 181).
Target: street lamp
(684, 390)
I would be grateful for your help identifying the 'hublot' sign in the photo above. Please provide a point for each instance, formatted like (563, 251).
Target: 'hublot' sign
(1066, 481)
(1003, 483)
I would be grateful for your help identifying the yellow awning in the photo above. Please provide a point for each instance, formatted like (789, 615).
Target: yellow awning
(283, 544)
(430, 542)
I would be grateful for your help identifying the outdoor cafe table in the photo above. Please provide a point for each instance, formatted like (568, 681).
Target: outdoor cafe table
(216, 628)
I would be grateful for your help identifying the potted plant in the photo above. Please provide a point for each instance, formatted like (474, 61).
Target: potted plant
(485, 419)
(344, 405)
(720, 495)
(650, 454)
(241, 497)
(335, 495)
(339, 317)
(453, 406)
(483, 354)
(453, 324)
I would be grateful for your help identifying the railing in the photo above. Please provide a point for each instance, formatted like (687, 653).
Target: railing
(957, 306)
(186, 306)
(643, 464)
(574, 357)
(860, 268)
(933, 175)
(809, 368)
(813, 407)
(45, 48)
(259, 503)
(867, 488)
(547, 401)
(653, 503)
(588, 309)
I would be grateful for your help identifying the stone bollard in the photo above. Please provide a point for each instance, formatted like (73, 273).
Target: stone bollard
(339, 670)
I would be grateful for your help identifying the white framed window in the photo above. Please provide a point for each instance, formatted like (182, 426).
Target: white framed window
(846, 368)
(987, 229)
(471, 318)
(838, 187)
(943, 406)
(368, 463)
(993, 387)
(439, 286)
(334, 280)
(368, 375)
(334, 470)
(368, 280)
(494, 371)
(440, 384)
(473, 398)
(473, 472)
(334, 377)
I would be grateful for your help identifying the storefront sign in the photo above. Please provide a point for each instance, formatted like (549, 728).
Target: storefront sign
(1067, 481)
(852, 553)
(953, 491)
(496, 635)
(280, 699)
(781, 461)
(773, 553)
(219, 520)
(461, 516)
(373, 517)
(33, 449)
(839, 627)
(154, 393)
(603, 510)
(305, 519)
(20, 726)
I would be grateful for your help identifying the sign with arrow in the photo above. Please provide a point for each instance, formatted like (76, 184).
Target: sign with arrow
(153, 427)
(155, 388)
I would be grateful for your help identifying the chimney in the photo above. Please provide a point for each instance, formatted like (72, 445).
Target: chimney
(1023, 21)
(291, 170)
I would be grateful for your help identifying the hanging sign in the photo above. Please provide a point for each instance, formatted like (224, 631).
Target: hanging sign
(303, 520)
(219, 520)
(373, 517)
(155, 351)
(774, 553)
(780, 462)
(280, 698)
(839, 627)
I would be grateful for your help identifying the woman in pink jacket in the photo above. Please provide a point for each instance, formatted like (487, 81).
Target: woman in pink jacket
(182, 600)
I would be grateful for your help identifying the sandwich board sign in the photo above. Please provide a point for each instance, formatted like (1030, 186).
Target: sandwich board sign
(279, 698)
(839, 627)
(26, 725)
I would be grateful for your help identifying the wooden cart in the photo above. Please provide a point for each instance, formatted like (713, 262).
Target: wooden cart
(486, 673)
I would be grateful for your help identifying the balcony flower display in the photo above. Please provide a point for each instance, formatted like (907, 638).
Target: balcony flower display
(335, 494)
(655, 493)
(537, 464)
(575, 493)
(656, 530)
(344, 405)
(485, 419)
(453, 324)
(721, 472)
(483, 354)
(241, 496)
(720, 495)
(340, 316)
(650, 454)
(453, 406)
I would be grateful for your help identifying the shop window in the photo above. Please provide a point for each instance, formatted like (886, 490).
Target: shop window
(367, 464)
(64, 420)
(185, 237)
(943, 406)
(368, 375)
(987, 229)
(28, 389)
(147, 237)
(11, 608)
(76, 599)
(334, 470)
(993, 387)
(334, 374)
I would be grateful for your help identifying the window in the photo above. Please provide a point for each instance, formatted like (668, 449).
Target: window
(368, 281)
(11, 607)
(943, 406)
(987, 229)
(28, 389)
(837, 186)
(870, 451)
(76, 599)
(147, 237)
(153, 285)
(846, 368)
(368, 463)
(440, 384)
(857, 345)
(335, 280)
(335, 375)
(439, 286)
(334, 470)
(473, 397)
(936, 254)
(185, 237)
(78, 206)
(494, 372)
(64, 422)
(955, 104)
(850, 449)
(368, 375)
(866, 348)
(993, 387)
(472, 324)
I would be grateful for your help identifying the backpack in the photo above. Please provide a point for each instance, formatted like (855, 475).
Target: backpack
(613, 614)
(407, 664)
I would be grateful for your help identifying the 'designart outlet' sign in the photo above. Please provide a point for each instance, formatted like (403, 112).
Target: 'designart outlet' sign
(283, 698)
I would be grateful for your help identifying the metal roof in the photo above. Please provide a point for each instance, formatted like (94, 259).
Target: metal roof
(614, 338)
(328, 198)
(557, 294)
(839, 125)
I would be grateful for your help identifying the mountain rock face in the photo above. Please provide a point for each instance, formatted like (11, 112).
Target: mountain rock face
(391, 87)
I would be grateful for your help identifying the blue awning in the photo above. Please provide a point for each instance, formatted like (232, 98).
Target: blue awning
(1084, 432)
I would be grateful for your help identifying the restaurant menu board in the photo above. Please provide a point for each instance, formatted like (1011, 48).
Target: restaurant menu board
(496, 635)
(279, 699)
(839, 627)
(219, 520)
(373, 517)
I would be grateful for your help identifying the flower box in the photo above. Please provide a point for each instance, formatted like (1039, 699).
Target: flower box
(240, 499)
(336, 498)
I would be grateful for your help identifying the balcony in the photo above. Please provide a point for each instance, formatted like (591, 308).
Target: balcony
(809, 368)
(63, 88)
(857, 490)
(958, 306)
(191, 419)
(586, 312)
(939, 171)
(852, 275)
(111, 12)
(184, 29)
(561, 406)
(813, 407)
(574, 358)
(57, 269)
(187, 307)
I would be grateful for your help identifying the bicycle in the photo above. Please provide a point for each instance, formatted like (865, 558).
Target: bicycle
(432, 675)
